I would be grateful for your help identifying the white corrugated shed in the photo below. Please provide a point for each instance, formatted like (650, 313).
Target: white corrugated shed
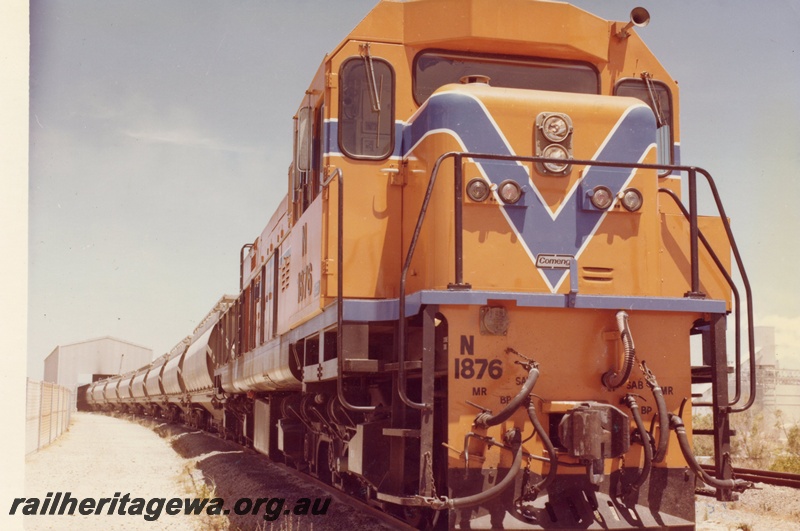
(74, 364)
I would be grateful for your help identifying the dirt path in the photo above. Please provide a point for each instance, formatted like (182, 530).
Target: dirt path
(105, 457)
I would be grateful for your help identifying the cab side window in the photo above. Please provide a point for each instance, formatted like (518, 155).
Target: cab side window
(305, 172)
(366, 108)
(658, 97)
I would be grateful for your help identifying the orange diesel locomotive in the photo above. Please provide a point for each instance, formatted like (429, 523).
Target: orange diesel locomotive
(474, 306)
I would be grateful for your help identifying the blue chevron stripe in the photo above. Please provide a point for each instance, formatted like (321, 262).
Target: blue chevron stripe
(565, 232)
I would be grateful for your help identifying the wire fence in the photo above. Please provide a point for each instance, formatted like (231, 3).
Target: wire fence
(47, 414)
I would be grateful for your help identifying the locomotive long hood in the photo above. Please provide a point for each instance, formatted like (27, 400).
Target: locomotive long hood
(530, 27)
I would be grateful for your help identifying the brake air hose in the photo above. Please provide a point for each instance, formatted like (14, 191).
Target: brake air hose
(630, 401)
(613, 379)
(486, 419)
(680, 430)
(663, 419)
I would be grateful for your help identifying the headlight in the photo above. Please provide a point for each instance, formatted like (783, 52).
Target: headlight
(553, 139)
(509, 191)
(555, 128)
(601, 197)
(632, 199)
(478, 190)
(555, 151)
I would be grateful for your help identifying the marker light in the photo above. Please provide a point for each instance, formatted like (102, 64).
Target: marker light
(601, 197)
(555, 151)
(509, 191)
(478, 190)
(632, 199)
(555, 128)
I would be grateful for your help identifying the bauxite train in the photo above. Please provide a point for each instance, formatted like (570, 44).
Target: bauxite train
(473, 307)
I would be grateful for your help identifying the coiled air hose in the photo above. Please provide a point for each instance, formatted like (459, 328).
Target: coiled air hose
(663, 418)
(486, 419)
(630, 401)
(680, 430)
(613, 379)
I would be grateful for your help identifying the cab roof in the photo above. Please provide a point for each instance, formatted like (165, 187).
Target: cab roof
(521, 27)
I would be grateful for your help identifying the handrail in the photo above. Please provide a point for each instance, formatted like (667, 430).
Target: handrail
(340, 297)
(736, 309)
(240, 298)
(748, 292)
(401, 322)
(694, 238)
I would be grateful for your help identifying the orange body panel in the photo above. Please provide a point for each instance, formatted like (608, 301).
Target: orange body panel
(571, 365)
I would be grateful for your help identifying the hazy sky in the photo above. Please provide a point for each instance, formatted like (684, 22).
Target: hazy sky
(160, 138)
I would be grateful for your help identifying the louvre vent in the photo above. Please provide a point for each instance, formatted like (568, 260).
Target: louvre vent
(285, 262)
(597, 274)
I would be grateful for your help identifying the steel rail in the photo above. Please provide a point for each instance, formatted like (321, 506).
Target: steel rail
(768, 477)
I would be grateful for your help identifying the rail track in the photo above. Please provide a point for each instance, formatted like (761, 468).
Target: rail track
(780, 479)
